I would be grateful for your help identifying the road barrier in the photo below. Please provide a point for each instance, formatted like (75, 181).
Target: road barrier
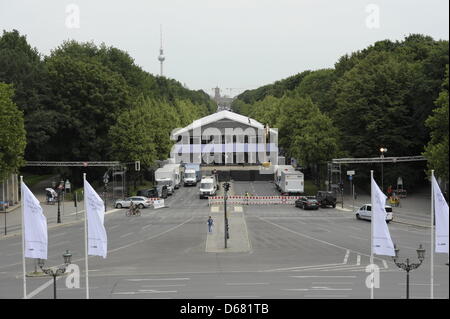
(253, 200)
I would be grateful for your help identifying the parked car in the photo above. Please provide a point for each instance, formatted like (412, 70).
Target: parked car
(141, 201)
(155, 192)
(326, 198)
(307, 203)
(365, 212)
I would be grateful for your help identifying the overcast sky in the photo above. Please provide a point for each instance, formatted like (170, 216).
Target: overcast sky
(239, 44)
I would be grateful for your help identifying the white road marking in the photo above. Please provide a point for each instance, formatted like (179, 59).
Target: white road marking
(112, 227)
(359, 238)
(323, 276)
(124, 293)
(358, 261)
(302, 267)
(309, 237)
(162, 286)
(325, 296)
(40, 288)
(231, 297)
(245, 283)
(296, 289)
(332, 283)
(147, 226)
(149, 279)
(385, 264)
(128, 234)
(328, 288)
(346, 256)
(150, 291)
(14, 244)
(56, 235)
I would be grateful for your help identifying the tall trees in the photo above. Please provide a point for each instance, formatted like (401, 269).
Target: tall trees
(436, 151)
(12, 133)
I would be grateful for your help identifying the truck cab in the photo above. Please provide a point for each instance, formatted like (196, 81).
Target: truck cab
(208, 186)
(190, 177)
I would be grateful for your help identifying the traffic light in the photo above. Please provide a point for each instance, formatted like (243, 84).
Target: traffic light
(226, 186)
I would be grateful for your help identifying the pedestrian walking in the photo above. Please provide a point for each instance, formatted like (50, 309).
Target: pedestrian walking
(210, 224)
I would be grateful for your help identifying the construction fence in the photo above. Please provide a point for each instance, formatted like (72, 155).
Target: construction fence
(253, 200)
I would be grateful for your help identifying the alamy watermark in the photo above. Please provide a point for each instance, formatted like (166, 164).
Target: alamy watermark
(373, 19)
(213, 145)
(73, 16)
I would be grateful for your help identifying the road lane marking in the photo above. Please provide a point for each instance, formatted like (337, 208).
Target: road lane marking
(332, 283)
(112, 227)
(148, 238)
(40, 288)
(145, 227)
(231, 297)
(301, 267)
(14, 244)
(245, 283)
(323, 276)
(148, 279)
(358, 260)
(326, 296)
(56, 235)
(385, 264)
(128, 234)
(151, 291)
(162, 286)
(319, 240)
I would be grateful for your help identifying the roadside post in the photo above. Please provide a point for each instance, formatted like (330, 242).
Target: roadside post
(226, 187)
(352, 188)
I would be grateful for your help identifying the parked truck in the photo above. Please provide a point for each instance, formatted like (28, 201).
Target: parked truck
(208, 186)
(176, 168)
(165, 176)
(192, 174)
(289, 181)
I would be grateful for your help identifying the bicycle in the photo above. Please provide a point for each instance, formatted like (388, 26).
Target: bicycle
(133, 212)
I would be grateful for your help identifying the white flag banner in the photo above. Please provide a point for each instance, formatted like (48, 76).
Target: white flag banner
(95, 212)
(35, 226)
(441, 219)
(382, 242)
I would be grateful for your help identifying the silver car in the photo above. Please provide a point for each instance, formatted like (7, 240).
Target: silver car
(140, 201)
(365, 212)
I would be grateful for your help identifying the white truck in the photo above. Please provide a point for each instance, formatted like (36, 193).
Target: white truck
(192, 174)
(176, 168)
(208, 186)
(289, 181)
(165, 176)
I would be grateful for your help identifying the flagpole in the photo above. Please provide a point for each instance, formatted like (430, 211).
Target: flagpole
(86, 239)
(432, 238)
(371, 237)
(23, 243)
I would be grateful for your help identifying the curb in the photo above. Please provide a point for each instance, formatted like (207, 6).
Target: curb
(411, 224)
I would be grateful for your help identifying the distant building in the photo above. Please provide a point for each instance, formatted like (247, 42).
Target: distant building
(225, 138)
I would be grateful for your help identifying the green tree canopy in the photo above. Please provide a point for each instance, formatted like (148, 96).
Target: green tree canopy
(12, 133)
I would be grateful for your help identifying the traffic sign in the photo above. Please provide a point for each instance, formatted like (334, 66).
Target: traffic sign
(350, 173)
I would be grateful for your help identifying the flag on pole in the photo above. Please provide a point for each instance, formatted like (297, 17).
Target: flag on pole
(381, 239)
(35, 226)
(441, 219)
(95, 207)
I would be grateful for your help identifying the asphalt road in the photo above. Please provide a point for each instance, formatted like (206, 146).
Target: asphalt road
(294, 254)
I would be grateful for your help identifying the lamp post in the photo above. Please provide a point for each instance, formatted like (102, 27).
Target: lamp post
(226, 187)
(409, 266)
(56, 271)
(382, 150)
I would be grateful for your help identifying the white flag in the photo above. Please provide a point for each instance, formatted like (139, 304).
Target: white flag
(441, 215)
(95, 208)
(35, 226)
(382, 242)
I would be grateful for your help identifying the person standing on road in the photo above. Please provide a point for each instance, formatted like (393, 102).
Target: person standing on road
(210, 224)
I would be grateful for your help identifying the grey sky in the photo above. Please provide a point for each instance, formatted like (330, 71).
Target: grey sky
(229, 43)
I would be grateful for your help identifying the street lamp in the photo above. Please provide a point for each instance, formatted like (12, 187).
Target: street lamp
(382, 150)
(226, 187)
(56, 271)
(407, 266)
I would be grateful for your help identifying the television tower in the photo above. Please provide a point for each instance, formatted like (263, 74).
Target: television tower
(161, 56)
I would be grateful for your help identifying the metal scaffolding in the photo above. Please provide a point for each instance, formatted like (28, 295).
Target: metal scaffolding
(394, 159)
